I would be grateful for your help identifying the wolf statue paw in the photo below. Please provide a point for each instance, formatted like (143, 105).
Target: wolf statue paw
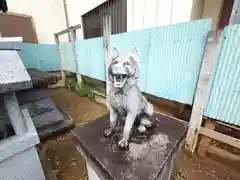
(123, 144)
(142, 129)
(109, 132)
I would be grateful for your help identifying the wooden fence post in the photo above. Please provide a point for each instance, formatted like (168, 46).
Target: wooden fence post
(73, 38)
(106, 46)
(202, 92)
(235, 15)
(61, 63)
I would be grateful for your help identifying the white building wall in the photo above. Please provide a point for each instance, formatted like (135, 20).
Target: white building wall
(48, 16)
(142, 14)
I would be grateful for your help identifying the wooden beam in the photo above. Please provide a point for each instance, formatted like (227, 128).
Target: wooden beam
(237, 128)
(78, 26)
(202, 91)
(235, 15)
(220, 137)
(62, 83)
(73, 38)
(224, 154)
(205, 141)
(72, 31)
(106, 45)
(68, 30)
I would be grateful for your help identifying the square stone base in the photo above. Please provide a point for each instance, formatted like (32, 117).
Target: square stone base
(150, 156)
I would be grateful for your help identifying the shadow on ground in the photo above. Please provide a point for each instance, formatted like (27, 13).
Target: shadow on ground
(68, 164)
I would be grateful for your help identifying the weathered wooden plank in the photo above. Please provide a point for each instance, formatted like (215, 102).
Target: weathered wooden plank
(229, 125)
(106, 45)
(203, 87)
(220, 137)
(73, 42)
(68, 30)
(235, 15)
(63, 76)
(205, 142)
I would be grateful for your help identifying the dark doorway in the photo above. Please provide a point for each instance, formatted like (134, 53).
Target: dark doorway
(92, 20)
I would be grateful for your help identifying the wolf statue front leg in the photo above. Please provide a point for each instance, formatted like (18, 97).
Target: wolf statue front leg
(130, 119)
(113, 122)
(133, 110)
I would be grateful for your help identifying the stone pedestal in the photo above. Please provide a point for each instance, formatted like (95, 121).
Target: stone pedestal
(149, 157)
(18, 155)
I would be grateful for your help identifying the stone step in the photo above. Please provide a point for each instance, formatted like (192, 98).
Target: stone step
(31, 95)
(47, 118)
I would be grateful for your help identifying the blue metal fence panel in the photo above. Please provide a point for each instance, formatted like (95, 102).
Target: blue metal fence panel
(67, 58)
(170, 57)
(125, 43)
(175, 59)
(91, 58)
(224, 99)
(41, 56)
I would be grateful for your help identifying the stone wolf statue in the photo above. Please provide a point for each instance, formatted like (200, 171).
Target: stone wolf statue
(125, 98)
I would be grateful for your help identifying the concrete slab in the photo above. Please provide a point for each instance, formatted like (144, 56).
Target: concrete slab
(13, 74)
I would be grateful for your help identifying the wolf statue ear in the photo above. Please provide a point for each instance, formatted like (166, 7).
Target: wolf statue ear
(115, 53)
(135, 54)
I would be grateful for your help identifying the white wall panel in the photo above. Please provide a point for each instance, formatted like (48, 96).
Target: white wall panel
(143, 14)
(48, 16)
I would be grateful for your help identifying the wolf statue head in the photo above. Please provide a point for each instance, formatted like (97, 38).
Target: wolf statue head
(123, 69)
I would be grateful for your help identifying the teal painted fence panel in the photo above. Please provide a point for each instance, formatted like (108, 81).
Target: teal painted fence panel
(67, 59)
(224, 99)
(175, 57)
(125, 43)
(170, 57)
(91, 58)
(40, 56)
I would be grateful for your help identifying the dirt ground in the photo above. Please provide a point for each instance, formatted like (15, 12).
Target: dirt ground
(67, 163)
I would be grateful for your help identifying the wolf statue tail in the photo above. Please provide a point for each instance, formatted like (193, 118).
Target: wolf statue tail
(148, 107)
